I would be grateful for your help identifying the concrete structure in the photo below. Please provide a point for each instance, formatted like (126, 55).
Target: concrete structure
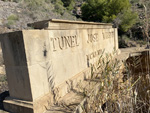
(41, 62)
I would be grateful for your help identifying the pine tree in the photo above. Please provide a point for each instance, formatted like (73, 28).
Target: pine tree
(108, 11)
(128, 19)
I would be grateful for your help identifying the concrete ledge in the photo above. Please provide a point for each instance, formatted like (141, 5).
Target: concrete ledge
(80, 22)
(57, 24)
(17, 106)
(20, 106)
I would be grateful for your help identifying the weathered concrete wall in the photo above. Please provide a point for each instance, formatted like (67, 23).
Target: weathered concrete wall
(38, 61)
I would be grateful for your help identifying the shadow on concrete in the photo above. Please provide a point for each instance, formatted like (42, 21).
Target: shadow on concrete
(2, 98)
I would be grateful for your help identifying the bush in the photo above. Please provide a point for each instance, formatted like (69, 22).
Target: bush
(11, 20)
(13, 17)
(69, 4)
(17, 1)
(59, 8)
(34, 4)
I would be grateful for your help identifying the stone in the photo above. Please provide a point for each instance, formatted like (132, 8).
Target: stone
(42, 64)
(57, 24)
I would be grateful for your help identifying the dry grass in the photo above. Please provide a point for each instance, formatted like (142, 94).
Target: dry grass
(114, 89)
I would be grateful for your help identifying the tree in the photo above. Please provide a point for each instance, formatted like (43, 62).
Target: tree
(108, 11)
(92, 10)
(128, 19)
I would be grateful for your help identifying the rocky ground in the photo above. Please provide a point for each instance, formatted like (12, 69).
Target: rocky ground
(15, 16)
(8, 9)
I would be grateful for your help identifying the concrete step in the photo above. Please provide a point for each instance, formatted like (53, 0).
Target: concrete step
(2, 111)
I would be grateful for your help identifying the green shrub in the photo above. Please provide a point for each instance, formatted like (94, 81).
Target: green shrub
(17, 1)
(58, 6)
(48, 1)
(11, 20)
(13, 17)
(69, 4)
(34, 4)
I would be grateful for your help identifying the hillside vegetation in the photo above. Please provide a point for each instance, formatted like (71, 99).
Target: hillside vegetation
(131, 17)
(15, 14)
